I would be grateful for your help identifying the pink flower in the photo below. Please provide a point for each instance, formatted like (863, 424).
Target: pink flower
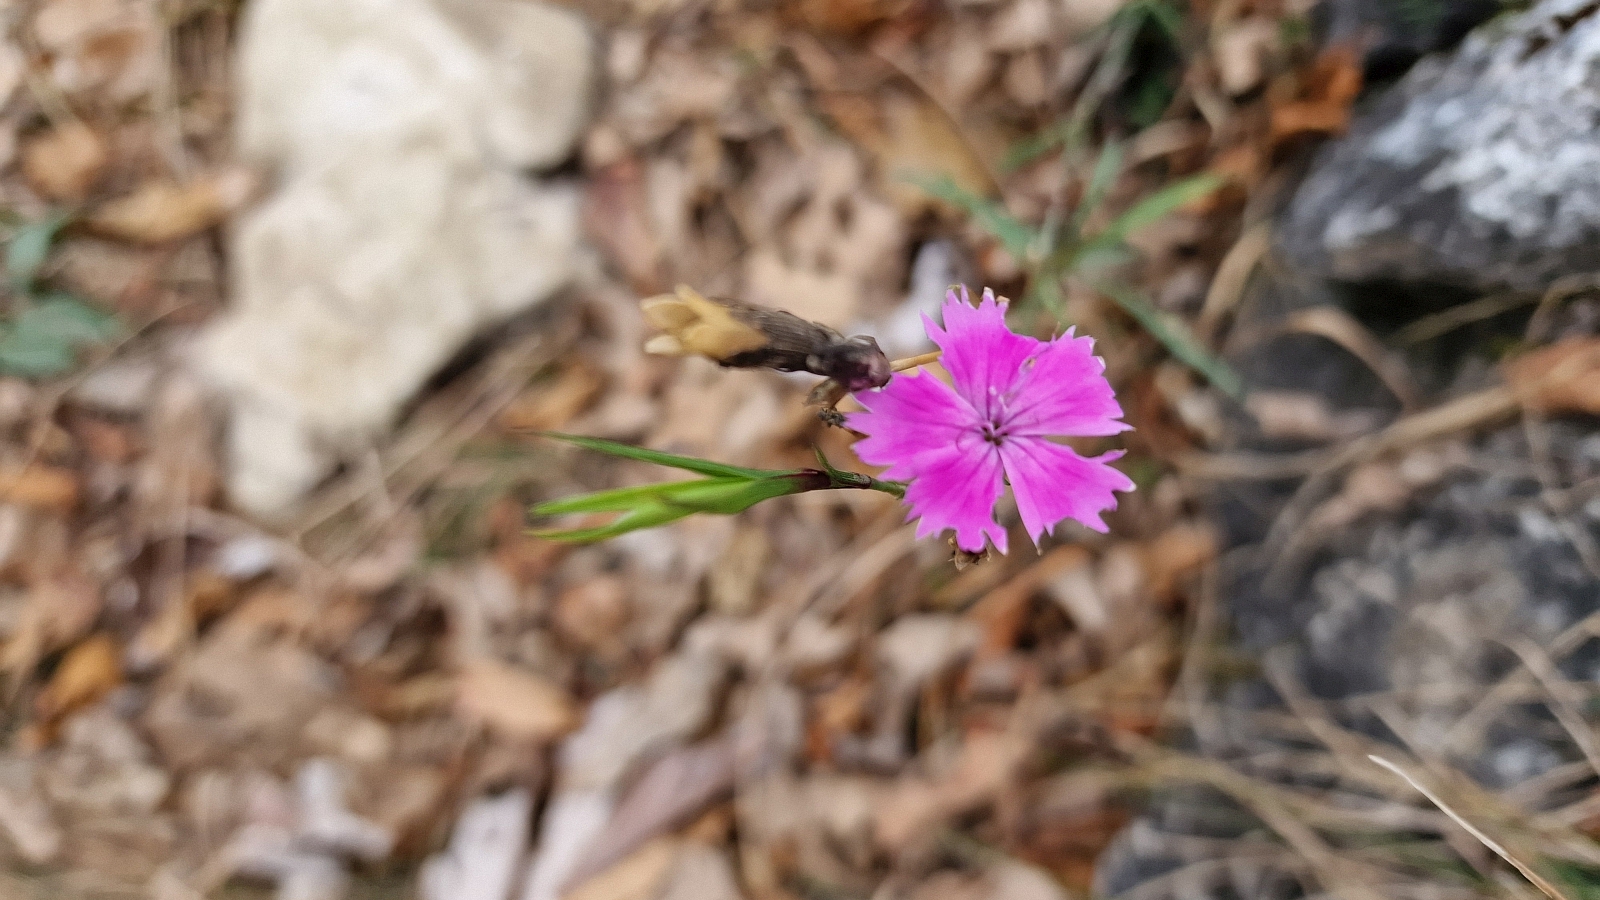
(958, 447)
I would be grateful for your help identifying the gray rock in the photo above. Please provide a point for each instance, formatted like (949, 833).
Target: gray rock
(1480, 170)
(1395, 35)
(1405, 632)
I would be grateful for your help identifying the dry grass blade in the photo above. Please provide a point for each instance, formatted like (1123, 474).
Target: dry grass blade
(1539, 881)
(1341, 328)
(1441, 323)
(1233, 274)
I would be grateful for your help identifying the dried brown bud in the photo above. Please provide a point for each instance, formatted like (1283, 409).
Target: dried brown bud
(742, 336)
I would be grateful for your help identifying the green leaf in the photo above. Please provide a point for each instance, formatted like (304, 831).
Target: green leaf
(1027, 150)
(687, 463)
(1175, 337)
(64, 316)
(41, 341)
(34, 358)
(30, 247)
(1014, 235)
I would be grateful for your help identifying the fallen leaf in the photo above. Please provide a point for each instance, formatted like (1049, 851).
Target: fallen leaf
(1322, 105)
(592, 612)
(917, 803)
(571, 820)
(844, 17)
(160, 212)
(87, 673)
(64, 162)
(25, 818)
(1304, 416)
(113, 45)
(918, 647)
(485, 847)
(1174, 555)
(676, 788)
(702, 873)
(548, 407)
(1002, 611)
(515, 702)
(912, 138)
(48, 488)
(1299, 117)
(638, 877)
(1561, 378)
(1241, 49)
(59, 610)
(616, 216)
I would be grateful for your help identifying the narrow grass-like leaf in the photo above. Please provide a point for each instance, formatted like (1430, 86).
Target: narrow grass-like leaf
(687, 463)
(1155, 207)
(1014, 235)
(659, 504)
(1175, 337)
(1106, 169)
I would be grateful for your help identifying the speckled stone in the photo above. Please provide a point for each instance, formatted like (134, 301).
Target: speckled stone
(1478, 170)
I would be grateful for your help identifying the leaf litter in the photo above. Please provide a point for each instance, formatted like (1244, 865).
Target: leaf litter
(401, 686)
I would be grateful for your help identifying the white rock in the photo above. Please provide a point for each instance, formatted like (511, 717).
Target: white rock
(403, 224)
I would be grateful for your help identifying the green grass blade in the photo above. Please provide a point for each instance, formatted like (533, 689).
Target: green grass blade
(1175, 337)
(687, 463)
(1106, 169)
(1156, 207)
(1014, 235)
(633, 520)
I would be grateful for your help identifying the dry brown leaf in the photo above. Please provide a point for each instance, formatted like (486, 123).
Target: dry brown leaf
(513, 701)
(844, 16)
(1241, 49)
(1331, 85)
(987, 762)
(111, 45)
(86, 674)
(160, 212)
(64, 162)
(913, 137)
(668, 795)
(702, 873)
(547, 407)
(616, 216)
(1174, 555)
(1560, 378)
(47, 488)
(638, 877)
(1002, 612)
(592, 612)
(25, 817)
(59, 610)
(1299, 117)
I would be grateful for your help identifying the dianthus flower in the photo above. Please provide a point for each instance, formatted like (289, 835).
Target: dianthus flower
(958, 446)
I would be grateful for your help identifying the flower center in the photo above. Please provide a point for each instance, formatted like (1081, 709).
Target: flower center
(994, 433)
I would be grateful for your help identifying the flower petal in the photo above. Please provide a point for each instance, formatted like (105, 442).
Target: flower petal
(909, 416)
(1052, 482)
(983, 356)
(1063, 391)
(956, 486)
